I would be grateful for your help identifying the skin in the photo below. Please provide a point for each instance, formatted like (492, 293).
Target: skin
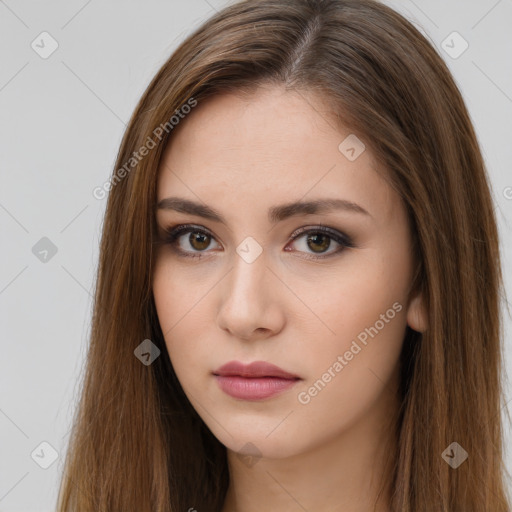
(241, 157)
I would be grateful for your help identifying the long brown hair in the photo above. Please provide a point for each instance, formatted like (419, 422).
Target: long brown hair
(137, 444)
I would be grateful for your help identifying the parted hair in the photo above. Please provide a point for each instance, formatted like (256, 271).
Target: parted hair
(136, 442)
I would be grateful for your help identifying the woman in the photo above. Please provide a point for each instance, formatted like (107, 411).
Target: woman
(297, 303)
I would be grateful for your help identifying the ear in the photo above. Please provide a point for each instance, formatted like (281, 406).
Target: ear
(417, 314)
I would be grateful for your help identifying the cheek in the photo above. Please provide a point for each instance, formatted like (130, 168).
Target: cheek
(185, 328)
(365, 311)
(178, 296)
(355, 297)
(367, 329)
(183, 321)
(352, 374)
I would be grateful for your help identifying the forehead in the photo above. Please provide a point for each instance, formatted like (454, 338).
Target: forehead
(276, 145)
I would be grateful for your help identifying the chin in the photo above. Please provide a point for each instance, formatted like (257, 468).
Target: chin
(257, 443)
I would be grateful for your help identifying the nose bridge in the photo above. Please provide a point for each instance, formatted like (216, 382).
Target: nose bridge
(247, 303)
(249, 273)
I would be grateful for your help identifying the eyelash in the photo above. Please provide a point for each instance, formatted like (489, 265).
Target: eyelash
(173, 233)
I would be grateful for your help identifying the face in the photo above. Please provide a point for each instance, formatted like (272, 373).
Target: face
(322, 293)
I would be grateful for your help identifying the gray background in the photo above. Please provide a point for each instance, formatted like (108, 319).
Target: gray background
(62, 119)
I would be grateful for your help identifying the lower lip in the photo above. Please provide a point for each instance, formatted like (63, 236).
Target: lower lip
(253, 388)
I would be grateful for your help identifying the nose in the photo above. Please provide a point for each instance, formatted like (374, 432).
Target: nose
(250, 307)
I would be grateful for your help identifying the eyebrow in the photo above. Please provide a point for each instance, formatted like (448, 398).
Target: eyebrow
(275, 213)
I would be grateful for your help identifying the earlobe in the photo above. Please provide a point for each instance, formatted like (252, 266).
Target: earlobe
(417, 314)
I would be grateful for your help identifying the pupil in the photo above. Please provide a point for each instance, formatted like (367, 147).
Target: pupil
(199, 238)
(314, 238)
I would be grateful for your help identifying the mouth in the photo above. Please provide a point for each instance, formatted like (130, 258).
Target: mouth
(256, 381)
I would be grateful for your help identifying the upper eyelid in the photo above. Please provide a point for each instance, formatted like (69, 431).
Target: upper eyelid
(178, 229)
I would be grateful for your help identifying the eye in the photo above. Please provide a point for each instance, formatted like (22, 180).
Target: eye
(318, 240)
(197, 241)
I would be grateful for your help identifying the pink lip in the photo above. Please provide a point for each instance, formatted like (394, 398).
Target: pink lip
(256, 381)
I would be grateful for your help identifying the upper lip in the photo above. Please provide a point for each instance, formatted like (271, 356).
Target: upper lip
(255, 369)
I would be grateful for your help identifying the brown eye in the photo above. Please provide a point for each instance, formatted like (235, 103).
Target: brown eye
(199, 240)
(318, 242)
(193, 245)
